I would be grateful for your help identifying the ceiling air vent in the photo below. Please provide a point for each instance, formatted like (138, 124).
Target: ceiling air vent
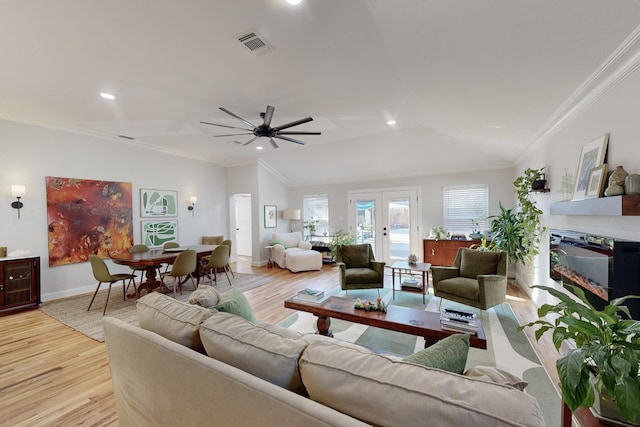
(254, 42)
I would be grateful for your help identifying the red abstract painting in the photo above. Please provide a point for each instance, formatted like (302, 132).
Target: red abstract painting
(87, 217)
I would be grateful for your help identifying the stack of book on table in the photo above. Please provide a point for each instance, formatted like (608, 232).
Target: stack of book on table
(311, 295)
(459, 321)
(411, 283)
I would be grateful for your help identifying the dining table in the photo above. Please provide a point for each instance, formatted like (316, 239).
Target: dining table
(152, 259)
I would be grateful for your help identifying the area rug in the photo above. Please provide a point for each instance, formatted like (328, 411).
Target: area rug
(73, 312)
(507, 348)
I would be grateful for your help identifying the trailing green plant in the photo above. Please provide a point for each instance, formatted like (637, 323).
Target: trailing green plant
(606, 353)
(517, 231)
(341, 238)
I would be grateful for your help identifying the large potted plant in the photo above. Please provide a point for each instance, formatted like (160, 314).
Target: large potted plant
(602, 362)
(517, 231)
(341, 238)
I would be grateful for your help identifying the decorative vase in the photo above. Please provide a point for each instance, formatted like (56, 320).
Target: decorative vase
(632, 184)
(618, 176)
(614, 190)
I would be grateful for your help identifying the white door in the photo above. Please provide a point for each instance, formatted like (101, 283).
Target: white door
(388, 220)
(242, 217)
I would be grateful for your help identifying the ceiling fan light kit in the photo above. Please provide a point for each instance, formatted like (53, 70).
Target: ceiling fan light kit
(265, 130)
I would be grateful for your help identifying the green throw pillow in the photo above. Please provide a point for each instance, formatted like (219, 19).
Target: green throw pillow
(234, 302)
(277, 242)
(449, 354)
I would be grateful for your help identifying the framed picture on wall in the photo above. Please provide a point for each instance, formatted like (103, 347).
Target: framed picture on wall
(592, 156)
(158, 203)
(156, 233)
(270, 216)
(596, 185)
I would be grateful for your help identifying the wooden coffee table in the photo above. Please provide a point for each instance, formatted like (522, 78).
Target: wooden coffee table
(421, 323)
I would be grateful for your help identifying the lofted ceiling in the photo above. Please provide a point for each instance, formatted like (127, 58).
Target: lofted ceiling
(469, 82)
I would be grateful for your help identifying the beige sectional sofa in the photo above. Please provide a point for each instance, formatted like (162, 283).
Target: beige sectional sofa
(263, 375)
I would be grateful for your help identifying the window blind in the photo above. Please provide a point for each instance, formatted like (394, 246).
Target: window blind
(465, 207)
(317, 207)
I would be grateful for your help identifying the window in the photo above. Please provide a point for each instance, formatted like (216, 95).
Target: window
(317, 207)
(465, 208)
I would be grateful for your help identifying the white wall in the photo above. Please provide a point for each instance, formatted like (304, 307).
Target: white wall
(266, 188)
(30, 153)
(614, 112)
(499, 181)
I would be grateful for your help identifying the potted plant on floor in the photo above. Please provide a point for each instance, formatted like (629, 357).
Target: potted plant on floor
(517, 231)
(603, 365)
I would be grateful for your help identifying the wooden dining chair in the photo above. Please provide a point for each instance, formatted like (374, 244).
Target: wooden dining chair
(102, 275)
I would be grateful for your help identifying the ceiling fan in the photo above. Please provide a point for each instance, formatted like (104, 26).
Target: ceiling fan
(265, 129)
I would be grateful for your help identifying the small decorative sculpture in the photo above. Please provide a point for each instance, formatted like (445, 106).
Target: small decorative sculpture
(616, 182)
(412, 259)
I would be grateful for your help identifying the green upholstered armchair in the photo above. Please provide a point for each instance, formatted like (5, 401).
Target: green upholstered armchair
(477, 279)
(358, 267)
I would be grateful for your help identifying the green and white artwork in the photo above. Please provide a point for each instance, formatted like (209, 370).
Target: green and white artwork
(158, 203)
(156, 233)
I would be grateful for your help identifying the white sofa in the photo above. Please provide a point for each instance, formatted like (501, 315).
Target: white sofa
(263, 375)
(290, 251)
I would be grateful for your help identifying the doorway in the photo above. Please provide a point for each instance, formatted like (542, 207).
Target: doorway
(241, 223)
(388, 220)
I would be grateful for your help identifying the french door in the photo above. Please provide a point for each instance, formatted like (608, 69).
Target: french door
(388, 220)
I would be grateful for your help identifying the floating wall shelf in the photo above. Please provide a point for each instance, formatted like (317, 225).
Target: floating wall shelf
(603, 206)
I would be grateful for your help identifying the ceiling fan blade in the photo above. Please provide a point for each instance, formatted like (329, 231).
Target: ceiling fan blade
(298, 133)
(273, 143)
(251, 125)
(291, 124)
(251, 140)
(224, 126)
(233, 134)
(297, 141)
(268, 115)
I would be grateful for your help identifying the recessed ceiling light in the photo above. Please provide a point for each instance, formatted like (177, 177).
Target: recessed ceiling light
(391, 122)
(107, 95)
(496, 127)
(259, 147)
(294, 2)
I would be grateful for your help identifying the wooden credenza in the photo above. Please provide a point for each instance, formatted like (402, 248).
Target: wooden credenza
(443, 252)
(19, 284)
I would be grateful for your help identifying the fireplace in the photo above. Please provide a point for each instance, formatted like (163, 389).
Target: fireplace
(604, 267)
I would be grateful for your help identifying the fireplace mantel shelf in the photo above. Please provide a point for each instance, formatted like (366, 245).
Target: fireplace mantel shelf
(603, 206)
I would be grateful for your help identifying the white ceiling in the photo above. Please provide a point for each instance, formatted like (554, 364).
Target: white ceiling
(469, 82)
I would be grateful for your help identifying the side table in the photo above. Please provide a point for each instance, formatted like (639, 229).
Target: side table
(270, 262)
(403, 266)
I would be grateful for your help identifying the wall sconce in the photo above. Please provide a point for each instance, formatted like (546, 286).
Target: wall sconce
(193, 200)
(291, 214)
(17, 191)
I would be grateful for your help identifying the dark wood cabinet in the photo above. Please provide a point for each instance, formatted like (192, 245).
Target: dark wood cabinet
(443, 252)
(19, 284)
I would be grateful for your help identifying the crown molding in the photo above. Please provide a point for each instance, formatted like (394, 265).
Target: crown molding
(623, 62)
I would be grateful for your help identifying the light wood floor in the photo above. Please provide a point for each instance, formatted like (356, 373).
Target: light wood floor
(51, 375)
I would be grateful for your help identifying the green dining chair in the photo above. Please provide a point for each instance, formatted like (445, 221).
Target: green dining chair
(102, 275)
(136, 249)
(168, 245)
(227, 267)
(217, 261)
(183, 266)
